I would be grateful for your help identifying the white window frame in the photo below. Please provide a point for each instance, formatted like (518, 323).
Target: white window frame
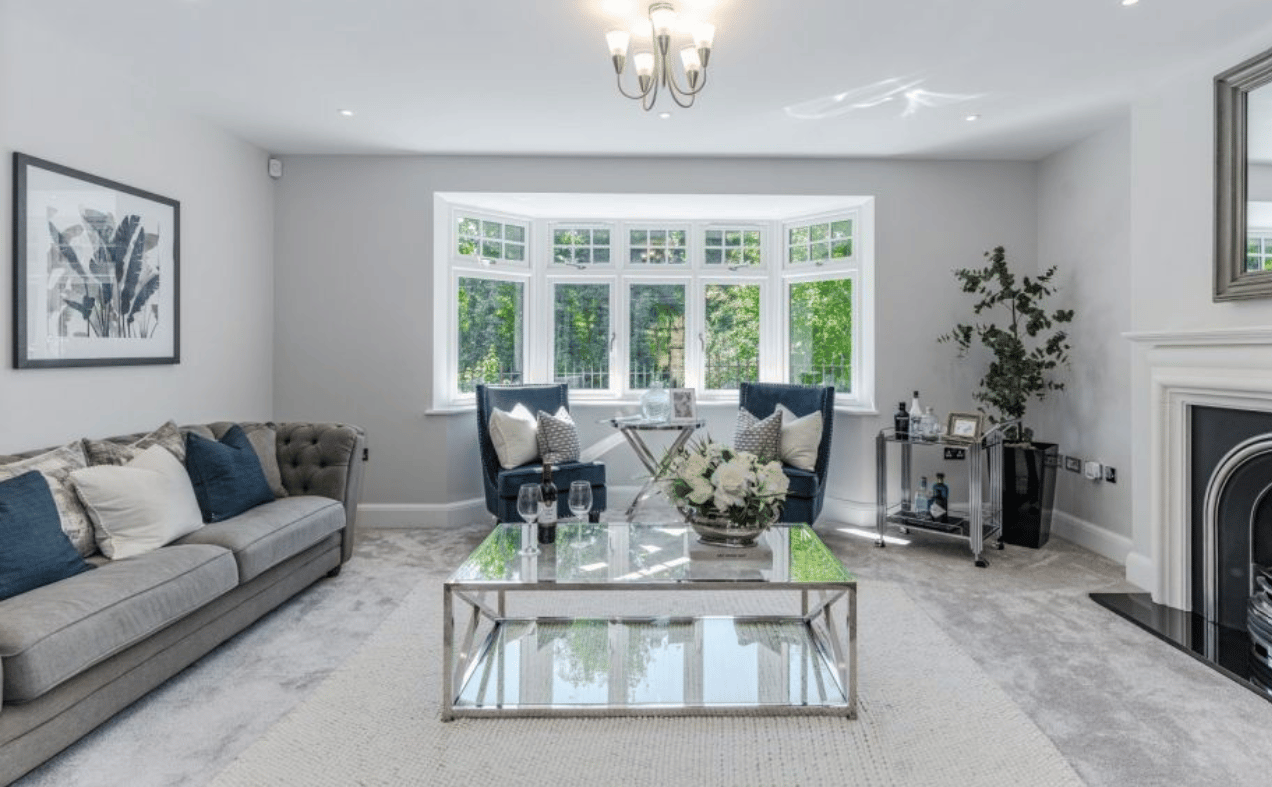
(549, 245)
(825, 217)
(614, 389)
(737, 226)
(540, 276)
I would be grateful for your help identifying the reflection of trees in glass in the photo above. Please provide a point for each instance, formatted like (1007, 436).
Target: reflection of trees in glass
(657, 247)
(821, 333)
(494, 554)
(587, 651)
(490, 333)
(582, 333)
(657, 342)
(580, 246)
(732, 316)
(812, 560)
(1259, 250)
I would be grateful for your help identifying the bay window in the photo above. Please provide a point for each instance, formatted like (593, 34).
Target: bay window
(611, 297)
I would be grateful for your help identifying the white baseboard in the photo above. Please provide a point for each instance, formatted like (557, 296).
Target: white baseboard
(412, 515)
(849, 512)
(1091, 536)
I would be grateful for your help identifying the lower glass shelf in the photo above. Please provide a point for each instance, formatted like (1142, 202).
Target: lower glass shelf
(958, 525)
(655, 666)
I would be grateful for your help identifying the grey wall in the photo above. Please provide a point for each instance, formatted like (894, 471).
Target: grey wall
(82, 113)
(1259, 182)
(354, 313)
(1084, 195)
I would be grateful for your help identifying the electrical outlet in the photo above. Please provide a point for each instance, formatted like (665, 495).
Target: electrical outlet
(1093, 471)
(955, 453)
(1073, 464)
(1110, 474)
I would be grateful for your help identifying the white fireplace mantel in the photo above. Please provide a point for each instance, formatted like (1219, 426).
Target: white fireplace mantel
(1229, 368)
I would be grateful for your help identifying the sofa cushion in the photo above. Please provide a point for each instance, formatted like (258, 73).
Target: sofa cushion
(33, 549)
(226, 474)
(115, 452)
(53, 633)
(139, 506)
(509, 481)
(558, 437)
(56, 465)
(514, 434)
(762, 437)
(803, 482)
(269, 534)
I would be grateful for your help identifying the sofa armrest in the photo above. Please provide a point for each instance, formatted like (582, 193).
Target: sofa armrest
(327, 460)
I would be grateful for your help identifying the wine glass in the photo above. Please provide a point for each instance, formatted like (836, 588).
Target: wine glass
(529, 499)
(580, 498)
(580, 502)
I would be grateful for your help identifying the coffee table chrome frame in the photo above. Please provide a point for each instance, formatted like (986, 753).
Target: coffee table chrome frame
(836, 648)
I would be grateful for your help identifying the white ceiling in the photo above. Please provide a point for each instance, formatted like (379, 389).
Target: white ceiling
(534, 76)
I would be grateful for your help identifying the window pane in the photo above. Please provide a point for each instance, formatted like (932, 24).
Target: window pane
(841, 229)
(798, 235)
(490, 331)
(712, 256)
(491, 229)
(732, 317)
(819, 232)
(820, 251)
(713, 237)
(640, 238)
(601, 237)
(733, 238)
(821, 333)
(582, 332)
(514, 233)
(841, 249)
(492, 249)
(564, 238)
(601, 254)
(514, 251)
(657, 341)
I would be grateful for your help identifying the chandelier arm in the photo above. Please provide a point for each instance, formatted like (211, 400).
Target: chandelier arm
(676, 89)
(635, 96)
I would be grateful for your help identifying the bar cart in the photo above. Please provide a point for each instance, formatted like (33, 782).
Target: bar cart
(983, 518)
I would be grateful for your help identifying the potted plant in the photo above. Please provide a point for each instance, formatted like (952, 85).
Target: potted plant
(1028, 347)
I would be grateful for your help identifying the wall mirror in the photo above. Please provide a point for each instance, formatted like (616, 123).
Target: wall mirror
(1243, 182)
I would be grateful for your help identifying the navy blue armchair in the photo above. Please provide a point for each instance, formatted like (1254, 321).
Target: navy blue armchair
(502, 484)
(804, 499)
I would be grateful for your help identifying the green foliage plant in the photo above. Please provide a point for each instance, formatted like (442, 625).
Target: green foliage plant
(1027, 349)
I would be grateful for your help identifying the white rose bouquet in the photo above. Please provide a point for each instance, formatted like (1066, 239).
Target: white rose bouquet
(717, 482)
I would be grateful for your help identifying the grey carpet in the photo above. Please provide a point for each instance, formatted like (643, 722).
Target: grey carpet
(928, 715)
(1122, 707)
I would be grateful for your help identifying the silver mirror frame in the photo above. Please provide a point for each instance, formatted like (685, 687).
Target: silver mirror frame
(1232, 282)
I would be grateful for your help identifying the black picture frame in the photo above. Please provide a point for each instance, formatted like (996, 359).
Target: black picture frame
(96, 270)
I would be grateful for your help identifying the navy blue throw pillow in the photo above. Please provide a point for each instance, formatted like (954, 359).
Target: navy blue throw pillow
(33, 549)
(227, 475)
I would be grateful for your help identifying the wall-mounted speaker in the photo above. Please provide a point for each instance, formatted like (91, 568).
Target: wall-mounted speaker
(275, 168)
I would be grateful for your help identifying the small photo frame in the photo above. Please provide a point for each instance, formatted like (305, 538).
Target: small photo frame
(684, 406)
(964, 427)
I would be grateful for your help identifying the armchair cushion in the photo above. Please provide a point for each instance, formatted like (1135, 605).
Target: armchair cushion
(514, 434)
(760, 437)
(804, 483)
(801, 438)
(558, 437)
(510, 481)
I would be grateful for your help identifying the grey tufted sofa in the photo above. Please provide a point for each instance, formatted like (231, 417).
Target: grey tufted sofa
(74, 653)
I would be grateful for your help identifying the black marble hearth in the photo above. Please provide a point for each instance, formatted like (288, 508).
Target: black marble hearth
(1229, 653)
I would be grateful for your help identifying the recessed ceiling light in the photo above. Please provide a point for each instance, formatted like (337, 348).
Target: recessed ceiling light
(1129, 2)
(346, 113)
(664, 115)
(972, 118)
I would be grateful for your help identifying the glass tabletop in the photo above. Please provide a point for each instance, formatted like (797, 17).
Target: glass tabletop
(620, 554)
(641, 422)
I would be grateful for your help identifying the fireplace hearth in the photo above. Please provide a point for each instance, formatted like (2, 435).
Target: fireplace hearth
(1230, 546)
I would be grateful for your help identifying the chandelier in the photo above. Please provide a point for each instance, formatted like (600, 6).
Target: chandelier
(654, 70)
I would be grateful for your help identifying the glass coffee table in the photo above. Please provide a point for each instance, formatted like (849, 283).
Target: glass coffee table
(640, 619)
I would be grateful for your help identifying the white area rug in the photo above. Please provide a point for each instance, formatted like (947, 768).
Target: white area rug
(928, 715)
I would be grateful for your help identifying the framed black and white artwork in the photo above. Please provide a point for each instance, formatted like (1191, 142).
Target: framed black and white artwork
(96, 269)
(683, 404)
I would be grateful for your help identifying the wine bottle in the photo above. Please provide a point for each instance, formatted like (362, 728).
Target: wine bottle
(939, 506)
(548, 510)
(921, 498)
(916, 416)
(901, 422)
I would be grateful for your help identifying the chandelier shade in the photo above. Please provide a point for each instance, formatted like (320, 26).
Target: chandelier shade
(655, 70)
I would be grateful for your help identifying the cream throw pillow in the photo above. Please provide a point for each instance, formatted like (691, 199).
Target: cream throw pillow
(515, 436)
(801, 438)
(138, 506)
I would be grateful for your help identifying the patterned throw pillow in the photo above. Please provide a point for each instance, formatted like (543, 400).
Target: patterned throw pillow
(105, 452)
(558, 438)
(760, 437)
(56, 466)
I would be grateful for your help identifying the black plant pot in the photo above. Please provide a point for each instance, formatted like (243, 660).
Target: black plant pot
(1029, 492)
